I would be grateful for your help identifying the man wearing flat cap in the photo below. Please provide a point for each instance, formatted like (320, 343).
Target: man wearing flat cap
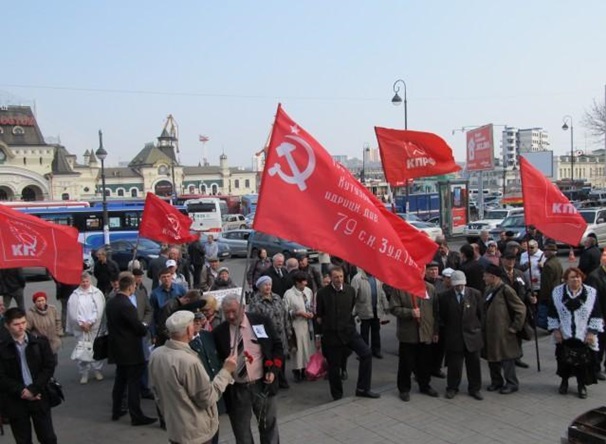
(185, 395)
(461, 319)
(503, 316)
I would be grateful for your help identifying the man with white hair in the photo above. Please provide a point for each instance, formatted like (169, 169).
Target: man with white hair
(278, 274)
(531, 262)
(185, 395)
(461, 319)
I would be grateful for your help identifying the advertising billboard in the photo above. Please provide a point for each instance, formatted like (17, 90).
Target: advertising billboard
(480, 149)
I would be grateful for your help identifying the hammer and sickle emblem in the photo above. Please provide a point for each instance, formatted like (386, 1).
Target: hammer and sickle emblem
(298, 177)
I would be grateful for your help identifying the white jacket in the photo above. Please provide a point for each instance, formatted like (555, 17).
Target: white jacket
(84, 306)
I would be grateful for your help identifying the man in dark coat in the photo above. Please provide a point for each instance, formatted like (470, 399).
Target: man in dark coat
(195, 251)
(278, 274)
(12, 283)
(551, 277)
(256, 381)
(26, 365)
(597, 280)
(156, 266)
(126, 333)
(106, 270)
(589, 259)
(334, 306)
(446, 258)
(315, 278)
(461, 318)
(472, 268)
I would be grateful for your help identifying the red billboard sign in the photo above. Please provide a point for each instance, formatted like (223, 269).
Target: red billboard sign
(480, 149)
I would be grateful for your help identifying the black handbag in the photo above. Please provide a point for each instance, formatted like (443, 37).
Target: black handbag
(55, 392)
(100, 347)
(576, 356)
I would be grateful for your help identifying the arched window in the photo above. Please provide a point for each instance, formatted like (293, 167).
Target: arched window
(203, 189)
(247, 183)
(108, 192)
(214, 189)
(191, 189)
(237, 183)
(134, 192)
(65, 196)
(120, 192)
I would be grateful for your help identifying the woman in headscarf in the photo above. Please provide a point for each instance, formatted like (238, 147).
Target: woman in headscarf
(43, 320)
(492, 255)
(574, 319)
(269, 304)
(298, 301)
(85, 310)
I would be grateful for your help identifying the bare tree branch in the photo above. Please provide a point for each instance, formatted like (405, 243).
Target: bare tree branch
(594, 120)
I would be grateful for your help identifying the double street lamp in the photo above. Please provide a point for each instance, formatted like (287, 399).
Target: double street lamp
(102, 154)
(565, 127)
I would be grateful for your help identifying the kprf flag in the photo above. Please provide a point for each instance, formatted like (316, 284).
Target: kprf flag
(409, 154)
(164, 223)
(309, 198)
(28, 241)
(548, 209)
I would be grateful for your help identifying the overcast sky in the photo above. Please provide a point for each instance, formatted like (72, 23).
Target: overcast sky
(220, 68)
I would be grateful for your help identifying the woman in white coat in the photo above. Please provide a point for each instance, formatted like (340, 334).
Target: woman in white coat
(85, 310)
(298, 301)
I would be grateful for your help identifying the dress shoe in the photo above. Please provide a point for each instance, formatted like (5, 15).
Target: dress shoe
(344, 375)
(367, 394)
(563, 387)
(521, 364)
(508, 390)
(439, 374)
(582, 392)
(119, 415)
(429, 391)
(494, 387)
(144, 420)
(450, 394)
(476, 395)
(600, 376)
(378, 355)
(405, 396)
(337, 397)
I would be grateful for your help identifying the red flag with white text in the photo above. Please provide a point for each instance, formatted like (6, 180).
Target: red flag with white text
(309, 198)
(164, 223)
(407, 154)
(28, 241)
(548, 209)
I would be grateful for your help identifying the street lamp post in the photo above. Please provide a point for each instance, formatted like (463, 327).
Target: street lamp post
(102, 154)
(365, 151)
(565, 127)
(396, 101)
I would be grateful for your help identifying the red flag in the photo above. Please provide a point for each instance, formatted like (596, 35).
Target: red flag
(28, 241)
(203, 139)
(410, 154)
(309, 198)
(548, 209)
(164, 223)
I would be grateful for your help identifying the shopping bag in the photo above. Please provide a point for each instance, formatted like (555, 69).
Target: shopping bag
(316, 367)
(83, 350)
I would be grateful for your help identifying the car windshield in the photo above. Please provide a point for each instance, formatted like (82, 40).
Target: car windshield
(495, 215)
(513, 221)
(589, 216)
(148, 244)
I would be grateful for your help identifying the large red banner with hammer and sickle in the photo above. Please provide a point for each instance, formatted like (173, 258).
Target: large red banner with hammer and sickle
(309, 198)
(28, 241)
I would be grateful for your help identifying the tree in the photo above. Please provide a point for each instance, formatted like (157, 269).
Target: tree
(594, 120)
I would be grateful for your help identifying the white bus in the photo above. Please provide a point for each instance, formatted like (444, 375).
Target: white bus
(205, 214)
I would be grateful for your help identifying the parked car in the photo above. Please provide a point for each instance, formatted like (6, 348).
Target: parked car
(430, 229)
(233, 221)
(249, 220)
(274, 244)
(596, 224)
(492, 219)
(410, 217)
(122, 251)
(237, 241)
(515, 223)
(224, 250)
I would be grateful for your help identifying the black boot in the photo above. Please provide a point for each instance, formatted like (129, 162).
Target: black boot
(563, 387)
(297, 375)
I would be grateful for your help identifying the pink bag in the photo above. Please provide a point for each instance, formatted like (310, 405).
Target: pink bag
(316, 367)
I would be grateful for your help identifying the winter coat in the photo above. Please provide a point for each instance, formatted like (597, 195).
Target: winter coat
(551, 277)
(409, 330)
(46, 323)
(504, 316)
(589, 259)
(363, 305)
(274, 309)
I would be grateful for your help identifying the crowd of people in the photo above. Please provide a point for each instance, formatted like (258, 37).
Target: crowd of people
(198, 357)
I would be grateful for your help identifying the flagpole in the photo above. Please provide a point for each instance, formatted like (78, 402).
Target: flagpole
(135, 251)
(536, 338)
(246, 265)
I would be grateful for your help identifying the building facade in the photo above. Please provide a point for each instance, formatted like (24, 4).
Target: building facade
(31, 169)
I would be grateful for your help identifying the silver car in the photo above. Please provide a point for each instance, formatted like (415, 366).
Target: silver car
(237, 241)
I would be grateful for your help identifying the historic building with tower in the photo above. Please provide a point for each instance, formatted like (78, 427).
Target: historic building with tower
(33, 170)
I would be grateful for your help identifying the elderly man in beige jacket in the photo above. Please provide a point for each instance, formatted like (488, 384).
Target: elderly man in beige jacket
(185, 395)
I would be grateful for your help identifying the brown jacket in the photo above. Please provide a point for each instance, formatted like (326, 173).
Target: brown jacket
(504, 316)
(46, 323)
(409, 329)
